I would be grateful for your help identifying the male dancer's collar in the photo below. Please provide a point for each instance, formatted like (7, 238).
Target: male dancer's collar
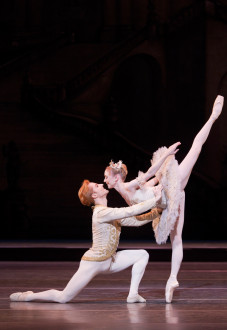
(94, 206)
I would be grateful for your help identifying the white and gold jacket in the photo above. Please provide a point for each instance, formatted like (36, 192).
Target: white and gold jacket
(106, 227)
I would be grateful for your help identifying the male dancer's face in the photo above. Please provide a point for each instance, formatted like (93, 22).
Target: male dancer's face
(98, 189)
(109, 179)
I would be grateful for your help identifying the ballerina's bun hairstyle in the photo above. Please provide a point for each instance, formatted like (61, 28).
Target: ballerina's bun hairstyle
(118, 168)
(85, 194)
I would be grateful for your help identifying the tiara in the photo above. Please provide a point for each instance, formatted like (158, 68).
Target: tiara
(116, 166)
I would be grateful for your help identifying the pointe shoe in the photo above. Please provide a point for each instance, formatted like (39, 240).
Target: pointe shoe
(170, 287)
(19, 296)
(135, 299)
(217, 107)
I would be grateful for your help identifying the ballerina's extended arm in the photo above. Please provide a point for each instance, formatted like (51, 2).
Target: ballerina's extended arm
(135, 184)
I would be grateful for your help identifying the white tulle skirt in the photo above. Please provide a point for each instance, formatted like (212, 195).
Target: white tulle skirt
(168, 176)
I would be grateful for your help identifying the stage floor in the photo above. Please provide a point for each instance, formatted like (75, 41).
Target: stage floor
(199, 303)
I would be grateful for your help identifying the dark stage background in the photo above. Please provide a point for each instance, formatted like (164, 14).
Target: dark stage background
(83, 82)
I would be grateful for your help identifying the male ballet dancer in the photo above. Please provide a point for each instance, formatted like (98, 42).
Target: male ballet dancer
(102, 256)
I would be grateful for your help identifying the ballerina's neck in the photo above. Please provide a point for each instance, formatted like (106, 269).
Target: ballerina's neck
(120, 187)
(125, 194)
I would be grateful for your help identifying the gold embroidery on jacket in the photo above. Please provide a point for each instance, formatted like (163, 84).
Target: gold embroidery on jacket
(105, 252)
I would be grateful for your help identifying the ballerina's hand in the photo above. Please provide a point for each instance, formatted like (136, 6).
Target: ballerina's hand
(172, 150)
(157, 189)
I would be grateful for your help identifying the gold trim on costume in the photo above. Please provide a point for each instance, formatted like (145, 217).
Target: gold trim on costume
(152, 215)
(106, 252)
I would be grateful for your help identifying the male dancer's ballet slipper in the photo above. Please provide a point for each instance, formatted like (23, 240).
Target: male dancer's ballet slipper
(170, 287)
(135, 299)
(19, 296)
(217, 107)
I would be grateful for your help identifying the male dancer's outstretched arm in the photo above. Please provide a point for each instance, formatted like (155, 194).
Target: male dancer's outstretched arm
(107, 214)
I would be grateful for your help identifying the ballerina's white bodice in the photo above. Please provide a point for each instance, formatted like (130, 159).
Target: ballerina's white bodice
(141, 195)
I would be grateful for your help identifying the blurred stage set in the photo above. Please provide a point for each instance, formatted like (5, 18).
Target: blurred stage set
(84, 82)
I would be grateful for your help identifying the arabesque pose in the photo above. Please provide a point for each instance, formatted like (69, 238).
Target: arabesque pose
(173, 178)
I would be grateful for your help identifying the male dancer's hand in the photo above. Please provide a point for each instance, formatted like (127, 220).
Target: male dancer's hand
(158, 194)
(160, 201)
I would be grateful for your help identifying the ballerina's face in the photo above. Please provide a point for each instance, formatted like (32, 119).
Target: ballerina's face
(109, 178)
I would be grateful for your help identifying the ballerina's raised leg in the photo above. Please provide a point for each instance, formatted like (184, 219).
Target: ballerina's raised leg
(185, 169)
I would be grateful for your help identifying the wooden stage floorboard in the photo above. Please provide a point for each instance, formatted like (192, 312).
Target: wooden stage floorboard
(199, 303)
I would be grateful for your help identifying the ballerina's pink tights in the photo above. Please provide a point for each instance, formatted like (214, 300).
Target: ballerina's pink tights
(185, 168)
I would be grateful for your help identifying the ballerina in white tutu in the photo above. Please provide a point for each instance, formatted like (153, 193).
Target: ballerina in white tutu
(173, 178)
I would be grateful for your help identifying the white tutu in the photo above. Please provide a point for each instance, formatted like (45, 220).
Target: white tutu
(168, 176)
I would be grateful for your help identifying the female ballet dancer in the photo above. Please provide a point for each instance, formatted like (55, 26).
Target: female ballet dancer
(173, 178)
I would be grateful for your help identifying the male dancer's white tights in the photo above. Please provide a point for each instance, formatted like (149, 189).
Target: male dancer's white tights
(138, 259)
